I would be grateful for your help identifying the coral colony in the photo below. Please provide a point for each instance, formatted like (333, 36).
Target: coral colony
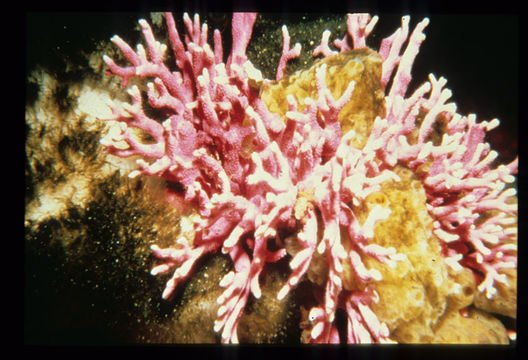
(250, 175)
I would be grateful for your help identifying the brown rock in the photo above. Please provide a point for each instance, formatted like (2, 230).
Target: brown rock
(477, 328)
(504, 302)
(362, 66)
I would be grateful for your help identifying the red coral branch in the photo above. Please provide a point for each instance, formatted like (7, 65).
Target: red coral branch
(245, 171)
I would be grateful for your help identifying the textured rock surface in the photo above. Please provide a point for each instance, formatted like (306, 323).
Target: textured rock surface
(362, 66)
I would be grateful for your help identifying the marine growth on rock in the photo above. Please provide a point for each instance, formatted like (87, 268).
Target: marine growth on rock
(388, 203)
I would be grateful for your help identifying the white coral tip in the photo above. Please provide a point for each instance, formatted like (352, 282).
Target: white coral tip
(317, 330)
(283, 292)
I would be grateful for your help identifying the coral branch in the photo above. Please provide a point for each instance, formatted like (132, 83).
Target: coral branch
(323, 47)
(287, 53)
(359, 26)
(250, 175)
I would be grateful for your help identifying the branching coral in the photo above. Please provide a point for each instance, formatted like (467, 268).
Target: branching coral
(252, 175)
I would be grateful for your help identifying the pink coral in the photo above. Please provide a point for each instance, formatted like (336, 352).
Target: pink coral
(244, 169)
